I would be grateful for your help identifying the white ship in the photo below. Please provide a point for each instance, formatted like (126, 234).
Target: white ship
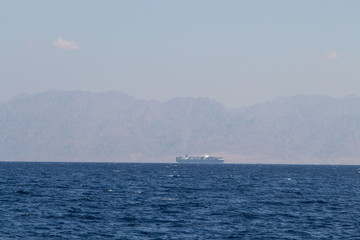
(200, 160)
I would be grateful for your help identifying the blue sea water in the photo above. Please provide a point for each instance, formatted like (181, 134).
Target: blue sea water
(169, 201)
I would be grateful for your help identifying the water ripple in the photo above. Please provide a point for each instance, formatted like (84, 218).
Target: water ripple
(166, 201)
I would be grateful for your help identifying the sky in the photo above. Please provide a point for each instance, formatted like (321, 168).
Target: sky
(236, 52)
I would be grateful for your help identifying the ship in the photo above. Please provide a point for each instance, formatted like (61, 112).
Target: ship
(200, 160)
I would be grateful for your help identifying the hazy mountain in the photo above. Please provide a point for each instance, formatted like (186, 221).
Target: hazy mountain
(82, 126)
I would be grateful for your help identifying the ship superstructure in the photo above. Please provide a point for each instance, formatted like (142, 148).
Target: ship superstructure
(200, 160)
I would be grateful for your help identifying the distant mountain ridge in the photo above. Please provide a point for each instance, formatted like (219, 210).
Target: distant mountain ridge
(112, 126)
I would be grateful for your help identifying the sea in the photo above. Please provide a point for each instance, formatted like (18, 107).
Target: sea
(43, 200)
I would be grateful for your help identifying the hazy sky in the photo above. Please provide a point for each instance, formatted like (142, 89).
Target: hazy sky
(236, 52)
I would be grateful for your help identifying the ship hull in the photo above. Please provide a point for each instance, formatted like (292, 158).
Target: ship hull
(200, 161)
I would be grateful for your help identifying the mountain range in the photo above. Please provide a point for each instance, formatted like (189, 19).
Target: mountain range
(112, 126)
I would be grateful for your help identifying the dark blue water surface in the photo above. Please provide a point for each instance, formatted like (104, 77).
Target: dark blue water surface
(168, 201)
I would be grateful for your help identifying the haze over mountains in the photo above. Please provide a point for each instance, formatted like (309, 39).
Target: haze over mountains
(111, 126)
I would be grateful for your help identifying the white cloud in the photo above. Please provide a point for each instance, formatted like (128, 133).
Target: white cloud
(65, 44)
(332, 55)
